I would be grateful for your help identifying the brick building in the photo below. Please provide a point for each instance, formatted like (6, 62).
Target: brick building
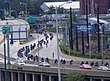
(92, 6)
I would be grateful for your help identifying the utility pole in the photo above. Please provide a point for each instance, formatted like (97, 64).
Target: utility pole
(5, 66)
(102, 36)
(98, 29)
(77, 39)
(82, 43)
(71, 30)
(87, 22)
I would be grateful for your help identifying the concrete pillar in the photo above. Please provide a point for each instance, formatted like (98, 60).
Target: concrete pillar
(18, 76)
(90, 79)
(102, 79)
(0, 75)
(41, 77)
(33, 76)
(49, 77)
(25, 76)
(11, 76)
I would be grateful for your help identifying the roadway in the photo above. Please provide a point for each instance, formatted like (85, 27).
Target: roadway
(44, 52)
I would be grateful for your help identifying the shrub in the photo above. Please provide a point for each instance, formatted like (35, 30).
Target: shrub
(74, 77)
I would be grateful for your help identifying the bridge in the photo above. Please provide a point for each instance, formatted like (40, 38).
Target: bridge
(33, 72)
(38, 73)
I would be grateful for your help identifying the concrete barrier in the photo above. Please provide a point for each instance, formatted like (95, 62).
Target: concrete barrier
(1, 39)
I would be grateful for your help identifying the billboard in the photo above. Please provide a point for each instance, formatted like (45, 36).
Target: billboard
(83, 27)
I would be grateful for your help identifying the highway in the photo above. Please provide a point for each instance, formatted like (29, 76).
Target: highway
(45, 52)
(33, 66)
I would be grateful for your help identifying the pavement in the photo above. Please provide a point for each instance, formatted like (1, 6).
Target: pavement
(44, 51)
(52, 48)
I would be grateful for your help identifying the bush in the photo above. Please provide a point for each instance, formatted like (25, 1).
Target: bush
(74, 77)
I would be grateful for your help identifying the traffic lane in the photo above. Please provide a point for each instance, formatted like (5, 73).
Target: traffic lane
(16, 46)
(73, 66)
(50, 49)
(55, 65)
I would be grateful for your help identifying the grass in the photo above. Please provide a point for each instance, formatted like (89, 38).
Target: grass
(65, 50)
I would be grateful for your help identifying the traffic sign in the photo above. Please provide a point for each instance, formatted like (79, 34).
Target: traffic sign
(83, 27)
(6, 29)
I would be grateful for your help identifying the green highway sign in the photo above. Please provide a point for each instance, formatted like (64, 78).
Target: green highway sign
(6, 29)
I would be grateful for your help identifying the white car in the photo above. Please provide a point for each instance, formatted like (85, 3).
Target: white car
(45, 64)
(105, 68)
(85, 66)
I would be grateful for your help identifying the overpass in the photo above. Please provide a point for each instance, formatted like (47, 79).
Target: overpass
(33, 72)
(38, 73)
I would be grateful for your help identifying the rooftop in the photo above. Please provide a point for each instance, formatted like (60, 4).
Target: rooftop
(73, 5)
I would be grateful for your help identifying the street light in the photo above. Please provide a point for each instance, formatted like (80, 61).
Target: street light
(59, 78)
(38, 45)
(15, 12)
(9, 24)
(25, 8)
(5, 73)
(89, 44)
(102, 39)
(7, 11)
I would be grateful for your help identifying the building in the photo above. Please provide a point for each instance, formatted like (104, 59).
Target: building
(19, 29)
(93, 5)
(75, 5)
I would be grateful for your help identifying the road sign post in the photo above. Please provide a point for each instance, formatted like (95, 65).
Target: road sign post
(5, 31)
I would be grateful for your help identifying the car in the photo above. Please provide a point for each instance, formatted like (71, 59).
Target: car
(85, 66)
(105, 68)
(45, 64)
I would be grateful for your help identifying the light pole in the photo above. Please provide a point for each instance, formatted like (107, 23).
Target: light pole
(38, 45)
(87, 21)
(102, 37)
(5, 74)
(15, 12)
(25, 8)
(8, 47)
(59, 78)
(89, 44)
(102, 47)
(102, 41)
(7, 11)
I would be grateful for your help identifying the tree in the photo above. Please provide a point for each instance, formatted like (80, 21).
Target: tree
(74, 77)
(31, 6)
(51, 10)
